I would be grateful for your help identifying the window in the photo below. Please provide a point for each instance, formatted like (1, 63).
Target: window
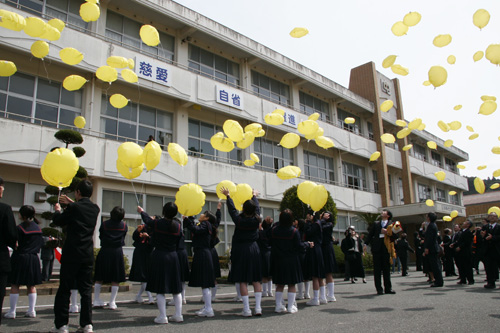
(213, 66)
(125, 32)
(440, 195)
(342, 223)
(35, 100)
(390, 187)
(436, 159)
(454, 199)
(424, 192)
(270, 89)
(370, 130)
(136, 122)
(401, 192)
(13, 194)
(318, 167)
(354, 176)
(341, 115)
(450, 165)
(272, 212)
(419, 152)
(199, 144)
(310, 105)
(375, 181)
(272, 156)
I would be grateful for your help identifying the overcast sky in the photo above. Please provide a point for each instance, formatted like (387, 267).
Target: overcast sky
(346, 34)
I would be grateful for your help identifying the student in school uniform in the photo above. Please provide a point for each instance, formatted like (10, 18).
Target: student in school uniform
(202, 268)
(328, 254)
(314, 263)
(26, 269)
(265, 254)
(140, 261)
(109, 264)
(304, 286)
(184, 263)
(286, 246)
(246, 264)
(213, 243)
(164, 270)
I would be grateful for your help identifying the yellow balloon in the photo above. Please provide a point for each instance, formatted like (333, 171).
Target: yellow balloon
(254, 128)
(387, 138)
(389, 61)
(51, 33)
(415, 124)
(485, 98)
(318, 197)
(35, 26)
(107, 74)
(40, 49)
(349, 120)
(481, 167)
(248, 139)
(279, 111)
(451, 59)
(493, 53)
(149, 35)
(226, 184)
(129, 173)
(219, 142)
(495, 150)
(494, 209)
(130, 154)
(421, 127)
(495, 186)
(454, 213)
(452, 193)
(190, 199)
(74, 82)
(274, 119)
(316, 134)
(71, 56)
(496, 173)
(478, 56)
(437, 76)
(261, 133)
(400, 70)
(177, 153)
(254, 157)
(474, 136)
(307, 127)
(304, 191)
(429, 202)
(488, 107)
(118, 101)
(399, 29)
(59, 167)
(426, 83)
(244, 192)
(455, 125)
(400, 123)
(469, 128)
(238, 205)
(460, 166)
(233, 130)
(431, 145)
(481, 18)
(374, 156)
(129, 75)
(412, 18)
(12, 21)
(447, 218)
(290, 140)
(442, 40)
(152, 155)
(90, 12)
(448, 143)
(117, 62)
(443, 126)
(314, 116)
(249, 163)
(386, 106)
(289, 172)
(7, 68)
(479, 185)
(80, 122)
(403, 133)
(324, 142)
(440, 175)
(407, 147)
(58, 24)
(457, 107)
(299, 32)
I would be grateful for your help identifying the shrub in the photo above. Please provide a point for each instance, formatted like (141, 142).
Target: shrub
(69, 136)
(79, 151)
(81, 173)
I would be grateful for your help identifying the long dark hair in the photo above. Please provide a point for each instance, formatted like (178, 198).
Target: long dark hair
(28, 213)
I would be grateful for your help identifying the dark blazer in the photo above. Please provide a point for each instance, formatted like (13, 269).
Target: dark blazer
(431, 236)
(8, 236)
(80, 219)
(374, 239)
(493, 244)
(465, 243)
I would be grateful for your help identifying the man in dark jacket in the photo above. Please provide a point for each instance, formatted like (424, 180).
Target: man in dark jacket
(464, 251)
(431, 250)
(491, 234)
(80, 219)
(402, 248)
(8, 236)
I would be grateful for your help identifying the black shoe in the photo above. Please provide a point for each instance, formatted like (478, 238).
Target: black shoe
(355, 279)
(436, 285)
(470, 283)
(489, 286)
(380, 292)
(346, 279)
(352, 281)
(390, 292)
(461, 282)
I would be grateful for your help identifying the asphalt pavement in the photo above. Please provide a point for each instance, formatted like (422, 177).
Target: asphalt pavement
(414, 308)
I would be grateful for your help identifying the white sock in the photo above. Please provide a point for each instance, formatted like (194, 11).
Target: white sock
(214, 291)
(183, 292)
(279, 299)
(207, 298)
(74, 297)
(300, 288)
(307, 286)
(31, 302)
(264, 287)
(316, 294)
(13, 302)
(150, 297)
(97, 292)
(160, 301)
(270, 286)
(331, 289)
(291, 300)
(322, 291)
(114, 292)
(258, 300)
(141, 290)
(238, 292)
(178, 304)
(246, 303)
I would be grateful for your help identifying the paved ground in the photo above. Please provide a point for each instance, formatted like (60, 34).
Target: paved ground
(415, 308)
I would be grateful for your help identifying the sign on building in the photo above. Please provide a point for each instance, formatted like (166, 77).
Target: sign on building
(291, 119)
(153, 70)
(229, 96)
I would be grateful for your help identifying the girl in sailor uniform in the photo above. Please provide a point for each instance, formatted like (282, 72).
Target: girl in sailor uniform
(25, 262)
(265, 254)
(213, 243)
(328, 254)
(140, 261)
(314, 266)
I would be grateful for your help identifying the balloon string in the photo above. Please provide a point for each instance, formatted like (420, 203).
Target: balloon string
(59, 194)
(135, 193)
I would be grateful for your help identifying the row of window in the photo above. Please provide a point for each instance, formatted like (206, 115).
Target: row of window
(425, 193)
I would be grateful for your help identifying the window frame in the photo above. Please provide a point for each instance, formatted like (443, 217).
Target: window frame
(259, 89)
(329, 172)
(261, 144)
(196, 65)
(318, 106)
(355, 179)
(353, 128)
